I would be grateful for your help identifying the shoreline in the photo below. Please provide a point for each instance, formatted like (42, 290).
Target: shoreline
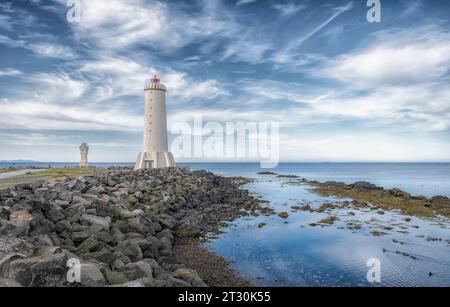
(364, 193)
(134, 228)
(188, 206)
(213, 269)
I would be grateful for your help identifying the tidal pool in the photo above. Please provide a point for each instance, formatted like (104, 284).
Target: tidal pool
(290, 252)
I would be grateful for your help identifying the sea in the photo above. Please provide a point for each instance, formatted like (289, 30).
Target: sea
(290, 252)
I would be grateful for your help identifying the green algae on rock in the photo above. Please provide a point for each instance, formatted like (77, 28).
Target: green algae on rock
(364, 193)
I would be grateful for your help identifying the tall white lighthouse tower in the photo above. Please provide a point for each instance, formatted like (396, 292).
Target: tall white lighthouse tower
(156, 151)
(84, 150)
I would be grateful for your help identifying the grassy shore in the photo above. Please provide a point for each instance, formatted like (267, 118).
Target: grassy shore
(47, 174)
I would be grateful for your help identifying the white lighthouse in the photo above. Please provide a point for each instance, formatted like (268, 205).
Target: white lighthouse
(84, 149)
(156, 150)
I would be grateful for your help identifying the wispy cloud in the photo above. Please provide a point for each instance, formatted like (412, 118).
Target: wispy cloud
(119, 24)
(9, 72)
(5, 23)
(45, 49)
(412, 7)
(401, 77)
(337, 12)
(242, 2)
(288, 9)
(45, 116)
(396, 56)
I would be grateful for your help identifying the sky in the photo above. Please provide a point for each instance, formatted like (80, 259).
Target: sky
(342, 89)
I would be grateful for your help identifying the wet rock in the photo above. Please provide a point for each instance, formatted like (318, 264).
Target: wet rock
(166, 233)
(364, 185)
(188, 232)
(174, 282)
(334, 183)
(283, 215)
(439, 198)
(288, 176)
(167, 221)
(266, 173)
(189, 276)
(306, 207)
(399, 193)
(377, 233)
(325, 207)
(329, 220)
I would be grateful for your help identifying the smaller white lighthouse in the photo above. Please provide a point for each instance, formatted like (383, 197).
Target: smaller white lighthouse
(84, 149)
(156, 150)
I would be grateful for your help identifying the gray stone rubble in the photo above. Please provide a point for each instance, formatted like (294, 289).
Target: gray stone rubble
(120, 225)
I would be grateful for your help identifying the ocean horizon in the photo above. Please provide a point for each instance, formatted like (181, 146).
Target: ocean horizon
(424, 178)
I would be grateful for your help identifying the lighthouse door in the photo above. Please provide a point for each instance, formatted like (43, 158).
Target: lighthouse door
(148, 163)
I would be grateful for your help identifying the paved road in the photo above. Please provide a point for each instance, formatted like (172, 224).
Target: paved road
(18, 173)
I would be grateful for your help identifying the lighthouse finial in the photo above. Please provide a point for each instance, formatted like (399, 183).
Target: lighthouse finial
(155, 78)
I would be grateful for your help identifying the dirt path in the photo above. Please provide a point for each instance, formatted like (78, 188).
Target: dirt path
(18, 173)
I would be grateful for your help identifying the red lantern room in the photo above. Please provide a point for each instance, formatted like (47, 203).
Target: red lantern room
(155, 79)
(155, 84)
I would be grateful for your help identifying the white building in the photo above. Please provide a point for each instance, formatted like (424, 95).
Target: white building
(156, 150)
(84, 149)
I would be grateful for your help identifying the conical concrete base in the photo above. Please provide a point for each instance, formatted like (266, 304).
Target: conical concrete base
(155, 160)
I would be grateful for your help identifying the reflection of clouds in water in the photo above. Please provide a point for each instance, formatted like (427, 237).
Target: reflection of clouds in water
(286, 254)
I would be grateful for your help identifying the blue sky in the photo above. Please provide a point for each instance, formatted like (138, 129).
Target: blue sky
(342, 89)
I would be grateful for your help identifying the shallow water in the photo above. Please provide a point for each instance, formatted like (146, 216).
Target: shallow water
(427, 179)
(296, 254)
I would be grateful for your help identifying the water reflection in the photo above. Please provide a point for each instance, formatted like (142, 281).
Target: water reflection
(290, 252)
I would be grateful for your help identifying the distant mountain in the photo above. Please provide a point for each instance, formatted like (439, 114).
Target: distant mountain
(17, 161)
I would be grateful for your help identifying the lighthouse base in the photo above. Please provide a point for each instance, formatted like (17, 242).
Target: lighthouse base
(154, 160)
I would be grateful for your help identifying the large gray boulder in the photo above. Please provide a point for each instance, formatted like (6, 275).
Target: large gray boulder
(102, 222)
(91, 275)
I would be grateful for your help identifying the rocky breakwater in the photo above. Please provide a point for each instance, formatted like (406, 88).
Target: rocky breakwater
(119, 225)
